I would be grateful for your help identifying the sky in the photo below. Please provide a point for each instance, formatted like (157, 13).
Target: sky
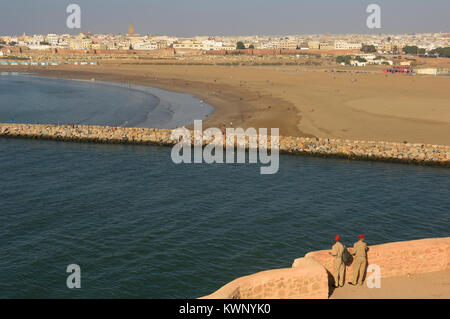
(225, 17)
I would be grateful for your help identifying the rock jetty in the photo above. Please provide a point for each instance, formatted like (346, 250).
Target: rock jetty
(421, 154)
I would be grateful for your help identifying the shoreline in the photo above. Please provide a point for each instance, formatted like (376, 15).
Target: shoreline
(312, 103)
(170, 109)
(427, 155)
(227, 101)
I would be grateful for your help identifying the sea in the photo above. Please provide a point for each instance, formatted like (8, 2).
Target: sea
(140, 226)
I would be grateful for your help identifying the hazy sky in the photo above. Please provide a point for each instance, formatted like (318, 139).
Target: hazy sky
(225, 17)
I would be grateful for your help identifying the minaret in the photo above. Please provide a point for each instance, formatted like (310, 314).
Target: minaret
(131, 31)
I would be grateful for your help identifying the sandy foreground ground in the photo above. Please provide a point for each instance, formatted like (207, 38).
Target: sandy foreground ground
(300, 102)
(435, 285)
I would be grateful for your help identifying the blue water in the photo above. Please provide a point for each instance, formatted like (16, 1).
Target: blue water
(140, 226)
(32, 99)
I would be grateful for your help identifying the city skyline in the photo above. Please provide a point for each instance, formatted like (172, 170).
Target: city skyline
(200, 18)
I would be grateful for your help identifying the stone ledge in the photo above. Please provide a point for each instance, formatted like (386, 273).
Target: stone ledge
(398, 258)
(309, 280)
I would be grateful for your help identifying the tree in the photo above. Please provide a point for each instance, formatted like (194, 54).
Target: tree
(240, 45)
(413, 49)
(251, 46)
(343, 59)
(368, 48)
(442, 52)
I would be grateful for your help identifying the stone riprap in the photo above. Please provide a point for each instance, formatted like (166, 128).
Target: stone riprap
(88, 133)
(422, 154)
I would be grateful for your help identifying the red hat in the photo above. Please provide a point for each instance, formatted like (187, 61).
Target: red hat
(361, 236)
(337, 237)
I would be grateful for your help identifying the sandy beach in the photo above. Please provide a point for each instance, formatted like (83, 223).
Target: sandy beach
(301, 102)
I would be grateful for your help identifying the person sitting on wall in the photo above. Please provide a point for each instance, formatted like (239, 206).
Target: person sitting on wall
(359, 250)
(339, 267)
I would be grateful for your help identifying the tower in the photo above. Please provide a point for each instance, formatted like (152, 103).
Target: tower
(131, 31)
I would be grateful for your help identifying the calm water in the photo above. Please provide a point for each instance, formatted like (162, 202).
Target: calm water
(32, 99)
(140, 226)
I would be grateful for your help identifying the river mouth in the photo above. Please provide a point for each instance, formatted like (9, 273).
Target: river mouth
(32, 99)
(140, 226)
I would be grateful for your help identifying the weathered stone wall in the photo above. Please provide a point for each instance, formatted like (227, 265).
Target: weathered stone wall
(368, 150)
(310, 276)
(398, 258)
(309, 280)
(281, 52)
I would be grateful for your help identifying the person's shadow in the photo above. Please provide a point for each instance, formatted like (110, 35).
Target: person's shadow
(347, 264)
(367, 265)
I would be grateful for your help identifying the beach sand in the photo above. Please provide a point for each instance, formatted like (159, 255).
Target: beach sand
(305, 102)
(434, 285)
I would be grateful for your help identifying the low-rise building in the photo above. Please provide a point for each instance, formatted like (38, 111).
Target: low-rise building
(188, 44)
(314, 45)
(344, 45)
(53, 39)
(325, 45)
(287, 44)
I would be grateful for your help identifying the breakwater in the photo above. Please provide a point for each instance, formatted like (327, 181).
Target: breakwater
(421, 154)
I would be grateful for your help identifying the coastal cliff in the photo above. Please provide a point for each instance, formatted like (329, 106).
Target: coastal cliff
(421, 154)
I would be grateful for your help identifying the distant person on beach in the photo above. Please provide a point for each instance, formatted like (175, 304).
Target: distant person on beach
(359, 250)
(339, 267)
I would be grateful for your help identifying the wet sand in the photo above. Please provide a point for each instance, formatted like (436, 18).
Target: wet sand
(306, 102)
(435, 285)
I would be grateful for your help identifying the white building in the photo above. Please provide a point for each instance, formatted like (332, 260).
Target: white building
(357, 63)
(37, 39)
(39, 47)
(145, 46)
(53, 39)
(268, 45)
(427, 71)
(344, 45)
